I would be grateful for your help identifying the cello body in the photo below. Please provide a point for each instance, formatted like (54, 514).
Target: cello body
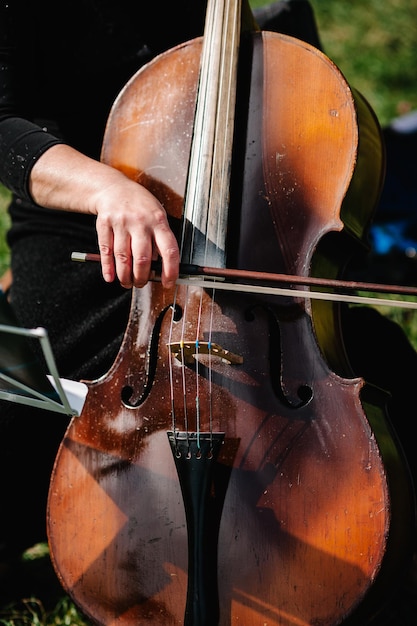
(277, 496)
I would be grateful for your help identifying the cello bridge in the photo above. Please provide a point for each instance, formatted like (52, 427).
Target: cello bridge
(187, 352)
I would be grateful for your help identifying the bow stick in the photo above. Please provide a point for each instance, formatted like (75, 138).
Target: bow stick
(219, 278)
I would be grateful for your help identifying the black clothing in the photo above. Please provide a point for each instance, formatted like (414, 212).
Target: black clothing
(55, 86)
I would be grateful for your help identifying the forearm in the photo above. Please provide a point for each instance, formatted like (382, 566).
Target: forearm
(63, 178)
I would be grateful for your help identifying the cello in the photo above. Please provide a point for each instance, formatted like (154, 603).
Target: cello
(230, 468)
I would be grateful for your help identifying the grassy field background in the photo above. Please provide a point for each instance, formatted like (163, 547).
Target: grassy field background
(374, 43)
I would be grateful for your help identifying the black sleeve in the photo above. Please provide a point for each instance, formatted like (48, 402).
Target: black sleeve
(22, 142)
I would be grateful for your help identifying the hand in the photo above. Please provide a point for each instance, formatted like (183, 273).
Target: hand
(133, 230)
(132, 225)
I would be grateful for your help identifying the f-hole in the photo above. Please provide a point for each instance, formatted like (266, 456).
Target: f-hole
(128, 391)
(304, 392)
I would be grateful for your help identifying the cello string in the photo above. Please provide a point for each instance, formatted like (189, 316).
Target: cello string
(200, 163)
(182, 362)
(210, 369)
(209, 332)
(170, 365)
(224, 67)
(197, 370)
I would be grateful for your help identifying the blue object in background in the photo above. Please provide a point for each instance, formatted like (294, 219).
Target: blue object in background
(394, 229)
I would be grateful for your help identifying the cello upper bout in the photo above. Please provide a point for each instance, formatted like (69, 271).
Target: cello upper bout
(323, 144)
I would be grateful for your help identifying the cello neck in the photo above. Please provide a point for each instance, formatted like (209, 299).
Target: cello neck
(208, 186)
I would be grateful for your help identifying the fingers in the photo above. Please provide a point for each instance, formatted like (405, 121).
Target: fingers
(166, 248)
(134, 235)
(108, 267)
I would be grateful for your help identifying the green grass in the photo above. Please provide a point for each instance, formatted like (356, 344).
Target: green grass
(4, 224)
(30, 611)
(374, 43)
(32, 595)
